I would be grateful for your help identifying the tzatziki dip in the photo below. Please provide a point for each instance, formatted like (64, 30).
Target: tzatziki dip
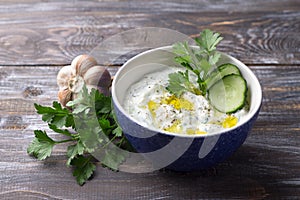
(152, 105)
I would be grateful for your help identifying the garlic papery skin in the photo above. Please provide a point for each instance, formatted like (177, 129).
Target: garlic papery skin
(82, 71)
(82, 63)
(64, 96)
(97, 74)
(64, 76)
(76, 83)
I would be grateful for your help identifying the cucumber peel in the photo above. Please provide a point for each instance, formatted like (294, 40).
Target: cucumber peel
(220, 72)
(229, 94)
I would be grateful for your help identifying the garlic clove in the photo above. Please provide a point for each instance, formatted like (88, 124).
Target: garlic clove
(82, 63)
(63, 77)
(82, 71)
(64, 96)
(97, 76)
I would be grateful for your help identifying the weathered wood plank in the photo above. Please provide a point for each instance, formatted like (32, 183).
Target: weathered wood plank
(266, 166)
(55, 32)
(151, 6)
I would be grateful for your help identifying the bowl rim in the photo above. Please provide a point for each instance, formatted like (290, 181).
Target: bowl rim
(249, 116)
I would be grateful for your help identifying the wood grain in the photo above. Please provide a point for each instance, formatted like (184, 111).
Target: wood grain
(266, 166)
(55, 32)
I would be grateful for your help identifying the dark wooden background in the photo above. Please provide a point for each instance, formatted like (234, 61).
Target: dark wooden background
(38, 37)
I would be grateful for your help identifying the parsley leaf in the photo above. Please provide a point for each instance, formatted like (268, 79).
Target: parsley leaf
(199, 60)
(179, 83)
(97, 127)
(63, 132)
(42, 145)
(183, 52)
(103, 104)
(90, 125)
(84, 168)
(73, 151)
(117, 131)
(55, 115)
(208, 40)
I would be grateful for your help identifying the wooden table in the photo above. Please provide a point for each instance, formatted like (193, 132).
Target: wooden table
(38, 37)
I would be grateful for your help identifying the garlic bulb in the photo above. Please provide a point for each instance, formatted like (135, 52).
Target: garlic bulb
(82, 71)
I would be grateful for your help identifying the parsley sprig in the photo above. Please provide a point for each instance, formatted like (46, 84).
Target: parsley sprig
(200, 61)
(91, 115)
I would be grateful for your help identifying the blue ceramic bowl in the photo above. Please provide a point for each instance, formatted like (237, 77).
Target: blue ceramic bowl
(176, 151)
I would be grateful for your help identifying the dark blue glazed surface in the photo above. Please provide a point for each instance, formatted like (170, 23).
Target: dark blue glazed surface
(226, 144)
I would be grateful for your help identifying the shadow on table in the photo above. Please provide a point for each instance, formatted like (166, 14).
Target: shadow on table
(250, 173)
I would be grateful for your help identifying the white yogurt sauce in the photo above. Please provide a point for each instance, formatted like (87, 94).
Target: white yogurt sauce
(152, 105)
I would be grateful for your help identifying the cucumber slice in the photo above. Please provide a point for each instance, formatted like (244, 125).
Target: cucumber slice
(228, 95)
(220, 72)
